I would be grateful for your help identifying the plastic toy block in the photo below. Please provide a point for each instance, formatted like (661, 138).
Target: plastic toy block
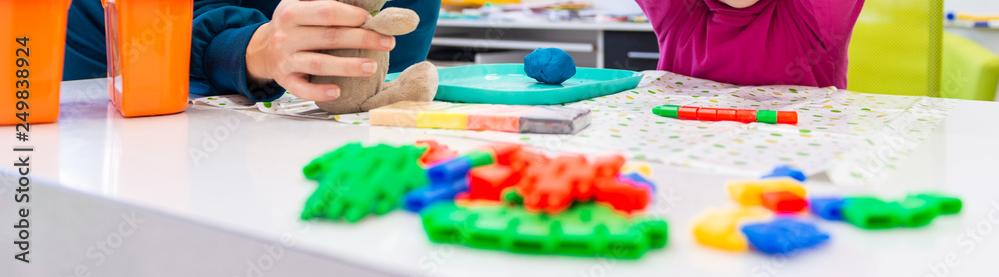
(783, 236)
(435, 153)
(783, 202)
(441, 120)
(687, 112)
(505, 152)
(707, 114)
(671, 111)
(315, 169)
(450, 170)
(637, 179)
(584, 230)
(916, 212)
(787, 171)
(488, 182)
(870, 213)
(421, 198)
(480, 158)
(637, 167)
(947, 205)
(522, 160)
(622, 196)
(357, 181)
(727, 115)
(511, 196)
(766, 116)
(745, 116)
(608, 166)
(719, 228)
(553, 186)
(749, 193)
(828, 208)
(787, 117)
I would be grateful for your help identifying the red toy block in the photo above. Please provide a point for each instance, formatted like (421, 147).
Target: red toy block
(521, 160)
(436, 152)
(505, 152)
(787, 117)
(488, 182)
(783, 202)
(707, 114)
(608, 166)
(687, 112)
(551, 188)
(621, 195)
(726, 115)
(745, 116)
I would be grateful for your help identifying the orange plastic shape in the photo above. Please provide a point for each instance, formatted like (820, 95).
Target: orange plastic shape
(149, 52)
(32, 43)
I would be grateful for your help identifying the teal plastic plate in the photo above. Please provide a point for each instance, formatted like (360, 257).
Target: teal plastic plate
(508, 84)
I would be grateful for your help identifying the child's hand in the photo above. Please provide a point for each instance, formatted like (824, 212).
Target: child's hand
(283, 50)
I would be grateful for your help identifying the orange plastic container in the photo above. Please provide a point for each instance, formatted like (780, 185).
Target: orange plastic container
(32, 43)
(149, 52)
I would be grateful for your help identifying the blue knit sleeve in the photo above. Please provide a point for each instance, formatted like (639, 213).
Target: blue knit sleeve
(221, 32)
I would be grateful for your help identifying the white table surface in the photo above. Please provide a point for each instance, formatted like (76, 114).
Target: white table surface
(238, 176)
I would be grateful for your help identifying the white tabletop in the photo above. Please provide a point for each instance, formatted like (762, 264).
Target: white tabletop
(241, 175)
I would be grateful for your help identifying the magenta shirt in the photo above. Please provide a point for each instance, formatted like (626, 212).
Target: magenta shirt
(774, 42)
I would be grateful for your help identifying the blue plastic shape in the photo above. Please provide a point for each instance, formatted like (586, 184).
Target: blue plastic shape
(787, 171)
(638, 178)
(828, 207)
(783, 236)
(419, 199)
(449, 171)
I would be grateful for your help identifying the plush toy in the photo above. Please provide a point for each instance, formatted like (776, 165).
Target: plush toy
(359, 94)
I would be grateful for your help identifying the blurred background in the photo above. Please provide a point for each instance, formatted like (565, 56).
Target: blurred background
(904, 47)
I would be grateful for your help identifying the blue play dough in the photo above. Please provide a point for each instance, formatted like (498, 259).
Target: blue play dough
(549, 65)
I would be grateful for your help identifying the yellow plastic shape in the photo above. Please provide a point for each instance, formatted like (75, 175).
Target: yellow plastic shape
(749, 193)
(719, 228)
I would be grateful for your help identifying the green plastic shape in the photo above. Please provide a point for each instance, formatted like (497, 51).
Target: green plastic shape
(766, 116)
(588, 229)
(914, 212)
(480, 158)
(355, 181)
(871, 213)
(508, 84)
(948, 205)
(671, 111)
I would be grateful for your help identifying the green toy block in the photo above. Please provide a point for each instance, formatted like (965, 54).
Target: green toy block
(511, 196)
(915, 212)
(870, 213)
(671, 111)
(587, 229)
(947, 205)
(355, 181)
(480, 158)
(766, 116)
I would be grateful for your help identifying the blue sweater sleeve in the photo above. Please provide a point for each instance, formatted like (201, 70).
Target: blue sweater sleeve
(221, 32)
(412, 48)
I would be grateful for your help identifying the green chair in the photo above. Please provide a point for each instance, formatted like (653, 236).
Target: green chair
(899, 47)
(969, 70)
(896, 48)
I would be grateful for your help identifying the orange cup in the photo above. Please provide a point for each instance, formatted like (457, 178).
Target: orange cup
(32, 43)
(149, 52)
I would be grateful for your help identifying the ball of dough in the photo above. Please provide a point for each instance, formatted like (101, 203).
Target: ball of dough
(549, 65)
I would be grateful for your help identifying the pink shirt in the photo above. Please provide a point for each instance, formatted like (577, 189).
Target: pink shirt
(786, 42)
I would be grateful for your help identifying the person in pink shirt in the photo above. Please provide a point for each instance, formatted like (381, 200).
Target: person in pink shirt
(755, 42)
